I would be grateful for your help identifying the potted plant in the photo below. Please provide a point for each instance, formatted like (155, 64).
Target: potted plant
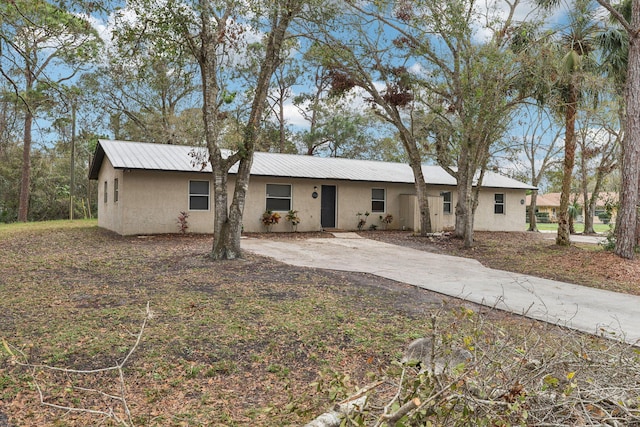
(293, 219)
(269, 218)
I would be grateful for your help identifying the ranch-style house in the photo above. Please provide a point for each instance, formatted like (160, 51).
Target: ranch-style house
(144, 187)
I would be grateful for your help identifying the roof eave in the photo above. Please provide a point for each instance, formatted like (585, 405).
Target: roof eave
(96, 163)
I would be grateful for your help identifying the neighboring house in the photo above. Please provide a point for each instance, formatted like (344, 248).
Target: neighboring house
(548, 205)
(144, 187)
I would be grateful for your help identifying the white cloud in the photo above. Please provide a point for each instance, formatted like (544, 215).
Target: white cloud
(293, 117)
(497, 12)
(355, 100)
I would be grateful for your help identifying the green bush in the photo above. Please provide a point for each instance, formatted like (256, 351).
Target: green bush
(543, 217)
(605, 217)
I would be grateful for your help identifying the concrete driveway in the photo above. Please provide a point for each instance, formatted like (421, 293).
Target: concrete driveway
(578, 238)
(585, 309)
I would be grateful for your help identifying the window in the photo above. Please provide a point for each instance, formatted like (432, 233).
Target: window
(446, 202)
(278, 197)
(115, 190)
(377, 200)
(498, 207)
(198, 195)
(106, 194)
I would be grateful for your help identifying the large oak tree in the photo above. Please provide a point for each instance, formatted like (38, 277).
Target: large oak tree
(226, 38)
(431, 60)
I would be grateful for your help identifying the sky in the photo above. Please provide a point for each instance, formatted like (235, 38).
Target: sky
(105, 24)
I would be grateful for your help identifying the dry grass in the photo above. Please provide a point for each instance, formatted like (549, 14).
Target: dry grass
(231, 343)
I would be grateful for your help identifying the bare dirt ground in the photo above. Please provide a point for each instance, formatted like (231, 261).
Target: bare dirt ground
(247, 342)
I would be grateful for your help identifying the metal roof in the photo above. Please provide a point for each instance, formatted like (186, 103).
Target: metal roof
(179, 158)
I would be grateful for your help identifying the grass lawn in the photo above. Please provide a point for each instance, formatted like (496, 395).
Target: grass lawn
(7, 230)
(238, 343)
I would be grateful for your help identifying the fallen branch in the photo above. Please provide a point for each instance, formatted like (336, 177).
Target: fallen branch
(506, 377)
(334, 417)
(120, 398)
(392, 419)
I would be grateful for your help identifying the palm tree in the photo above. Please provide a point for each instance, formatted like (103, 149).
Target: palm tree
(616, 45)
(626, 53)
(573, 212)
(576, 46)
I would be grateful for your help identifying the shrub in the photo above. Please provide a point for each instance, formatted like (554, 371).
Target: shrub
(605, 217)
(386, 220)
(293, 219)
(362, 220)
(542, 217)
(182, 222)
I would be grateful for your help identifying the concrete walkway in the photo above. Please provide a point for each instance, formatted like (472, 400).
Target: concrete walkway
(586, 309)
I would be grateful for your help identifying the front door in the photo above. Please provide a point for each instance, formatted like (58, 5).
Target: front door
(328, 206)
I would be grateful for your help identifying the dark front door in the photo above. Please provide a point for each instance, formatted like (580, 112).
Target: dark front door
(328, 206)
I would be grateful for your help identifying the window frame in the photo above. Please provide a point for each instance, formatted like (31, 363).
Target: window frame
(447, 205)
(277, 198)
(115, 190)
(197, 196)
(499, 205)
(105, 192)
(375, 200)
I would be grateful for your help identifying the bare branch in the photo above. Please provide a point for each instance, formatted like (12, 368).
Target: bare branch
(119, 368)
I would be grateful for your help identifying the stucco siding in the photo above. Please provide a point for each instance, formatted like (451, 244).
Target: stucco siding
(301, 200)
(351, 198)
(149, 202)
(513, 218)
(354, 198)
(109, 211)
(155, 200)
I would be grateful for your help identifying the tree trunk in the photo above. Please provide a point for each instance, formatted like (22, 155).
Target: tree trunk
(586, 201)
(637, 236)
(468, 218)
(465, 204)
(533, 219)
(232, 229)
(221, 236)
(589, 211)
(626, 225)
(468, 235)
(415, 161)
(572, 229)
(423, 201)
(208, 63)
(590, 205)
(226, 243)
(563, 238)
(282, 128)
(25, 182)
(464, 207)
